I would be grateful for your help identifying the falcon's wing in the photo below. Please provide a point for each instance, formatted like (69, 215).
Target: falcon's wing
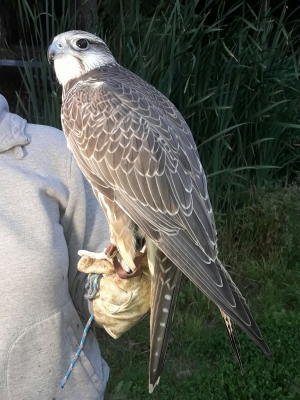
(133, 144)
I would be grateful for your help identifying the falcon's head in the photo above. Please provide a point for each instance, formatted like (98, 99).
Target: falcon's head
(76, 52)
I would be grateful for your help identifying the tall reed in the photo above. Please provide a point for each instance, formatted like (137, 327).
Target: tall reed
(234, 78)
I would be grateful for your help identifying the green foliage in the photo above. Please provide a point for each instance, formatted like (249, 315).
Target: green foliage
(42, 103)
(234, 77)
(266, 222)
(259, 244)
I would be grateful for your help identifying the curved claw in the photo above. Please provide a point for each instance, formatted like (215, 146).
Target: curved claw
(112, 251)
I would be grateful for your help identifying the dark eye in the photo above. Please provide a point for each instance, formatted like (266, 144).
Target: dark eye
(82, 43)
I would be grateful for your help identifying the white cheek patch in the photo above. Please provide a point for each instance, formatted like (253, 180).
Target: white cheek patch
(66, 68)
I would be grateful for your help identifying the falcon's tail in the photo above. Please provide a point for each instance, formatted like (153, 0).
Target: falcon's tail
(233, 341)
(164, 292)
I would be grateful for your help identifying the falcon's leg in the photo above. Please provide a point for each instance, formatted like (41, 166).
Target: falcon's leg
(122, 231)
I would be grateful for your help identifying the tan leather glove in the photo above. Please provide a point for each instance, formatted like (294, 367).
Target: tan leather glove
(119, 303)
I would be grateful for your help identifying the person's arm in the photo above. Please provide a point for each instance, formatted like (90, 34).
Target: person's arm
(85, 227)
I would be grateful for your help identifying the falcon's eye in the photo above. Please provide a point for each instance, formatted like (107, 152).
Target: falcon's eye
(82, 43)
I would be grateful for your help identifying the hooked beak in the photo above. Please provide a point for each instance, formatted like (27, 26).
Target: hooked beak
(55, 50)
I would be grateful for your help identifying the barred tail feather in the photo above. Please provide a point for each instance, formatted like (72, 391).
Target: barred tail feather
(164, 292)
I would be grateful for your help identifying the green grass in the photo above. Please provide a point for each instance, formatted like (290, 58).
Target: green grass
(200, 363)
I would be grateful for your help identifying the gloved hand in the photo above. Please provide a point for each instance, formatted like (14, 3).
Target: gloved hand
(119, 303)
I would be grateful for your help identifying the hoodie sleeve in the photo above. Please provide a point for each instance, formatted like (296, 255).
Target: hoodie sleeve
(85, 228)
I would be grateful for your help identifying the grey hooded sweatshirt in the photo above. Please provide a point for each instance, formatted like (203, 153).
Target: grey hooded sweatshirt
(47, 213)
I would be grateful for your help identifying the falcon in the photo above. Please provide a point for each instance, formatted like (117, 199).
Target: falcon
(139, 155)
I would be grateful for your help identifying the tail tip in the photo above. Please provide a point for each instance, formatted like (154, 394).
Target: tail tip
(153, 385)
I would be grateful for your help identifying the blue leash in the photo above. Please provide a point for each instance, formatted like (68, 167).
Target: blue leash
(92, 287)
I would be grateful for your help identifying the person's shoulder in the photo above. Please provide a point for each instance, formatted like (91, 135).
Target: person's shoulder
(48, 148)
(46, 134)
(46, 138)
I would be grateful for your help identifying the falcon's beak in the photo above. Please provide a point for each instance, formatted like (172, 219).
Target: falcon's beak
(55, 50)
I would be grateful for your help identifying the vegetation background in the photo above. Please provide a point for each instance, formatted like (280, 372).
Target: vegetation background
(232, 69)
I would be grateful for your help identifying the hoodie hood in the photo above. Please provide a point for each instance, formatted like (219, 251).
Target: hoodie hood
(12, 130)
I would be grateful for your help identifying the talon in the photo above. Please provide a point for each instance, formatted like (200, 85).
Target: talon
(125, 267)
(127, 275)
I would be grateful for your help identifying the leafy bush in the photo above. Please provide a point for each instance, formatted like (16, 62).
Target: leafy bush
(266, 224)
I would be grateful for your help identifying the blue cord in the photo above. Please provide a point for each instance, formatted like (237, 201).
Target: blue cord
(92, 286)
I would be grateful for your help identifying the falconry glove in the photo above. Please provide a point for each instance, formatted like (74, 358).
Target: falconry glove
(118, 303)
